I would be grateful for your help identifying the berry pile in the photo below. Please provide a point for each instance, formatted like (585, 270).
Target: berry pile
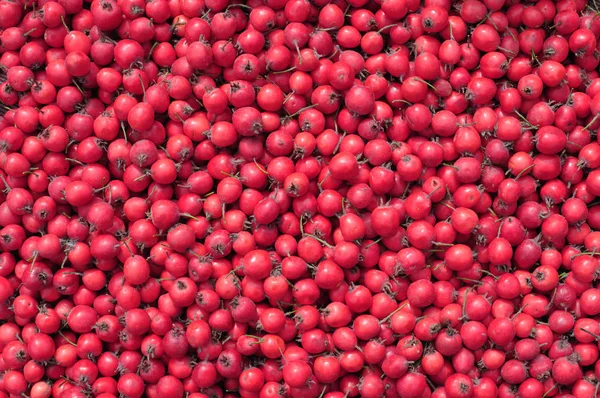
(294, 198)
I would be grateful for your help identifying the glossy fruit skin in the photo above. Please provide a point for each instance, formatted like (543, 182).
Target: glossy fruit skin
(374, 198)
